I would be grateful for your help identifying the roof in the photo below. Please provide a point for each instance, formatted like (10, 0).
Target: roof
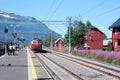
(115, 24)
(58, 40)
(36, 38)
(93, 27)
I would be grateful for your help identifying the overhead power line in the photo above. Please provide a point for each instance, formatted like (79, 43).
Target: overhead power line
(105, 13)
(54, 22)
(93, 8)
(50, 9)
(56, 8)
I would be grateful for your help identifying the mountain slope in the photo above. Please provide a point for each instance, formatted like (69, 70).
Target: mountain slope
(25, 26)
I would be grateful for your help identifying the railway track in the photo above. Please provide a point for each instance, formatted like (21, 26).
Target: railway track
(104, 69)
(55, 77)
(99, 71)
(54, 74)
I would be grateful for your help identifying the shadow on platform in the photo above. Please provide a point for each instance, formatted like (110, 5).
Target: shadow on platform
(10, 65)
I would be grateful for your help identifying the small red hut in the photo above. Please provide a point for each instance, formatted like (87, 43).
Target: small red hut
(94, 38)
(115, 27)
(59, 43)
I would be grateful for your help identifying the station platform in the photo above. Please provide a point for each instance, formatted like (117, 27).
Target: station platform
(22, 66)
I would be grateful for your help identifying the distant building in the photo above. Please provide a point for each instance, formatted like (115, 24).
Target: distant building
(59, 43)
(105, 43)
(115, 28)
(94, 38)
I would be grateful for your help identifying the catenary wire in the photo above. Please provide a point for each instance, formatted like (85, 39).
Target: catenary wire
(51, 7)
(56, 9)
(111, 10)
(94, 8)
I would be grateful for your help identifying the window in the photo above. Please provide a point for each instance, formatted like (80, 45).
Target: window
(117, 29)
(119, 42)
(116, 45)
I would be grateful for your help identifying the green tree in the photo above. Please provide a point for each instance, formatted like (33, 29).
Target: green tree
(66, 39)
(47, 41)
(109, 48)
(104, 36)
(89, 26)
(77, 34)
(88, 23)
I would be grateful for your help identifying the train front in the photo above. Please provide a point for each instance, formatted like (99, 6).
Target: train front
(36, 45)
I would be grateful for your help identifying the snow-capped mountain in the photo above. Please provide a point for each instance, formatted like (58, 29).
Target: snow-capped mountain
(25, 26)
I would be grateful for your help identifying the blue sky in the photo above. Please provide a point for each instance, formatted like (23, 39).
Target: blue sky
(101, 13)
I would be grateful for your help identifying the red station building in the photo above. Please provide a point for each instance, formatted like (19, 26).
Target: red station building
(94, 38)
(59, 43)
(115, 27)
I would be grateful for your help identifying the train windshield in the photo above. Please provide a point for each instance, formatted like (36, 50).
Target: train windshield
(36, 42)
(40, 41)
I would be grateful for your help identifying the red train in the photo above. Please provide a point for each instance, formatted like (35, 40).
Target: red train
(36, 44)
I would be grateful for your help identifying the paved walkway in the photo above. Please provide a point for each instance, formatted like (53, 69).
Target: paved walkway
(22, 66)
(14, 67)
(38, 72)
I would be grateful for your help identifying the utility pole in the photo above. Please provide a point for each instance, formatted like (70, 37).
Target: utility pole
(51, 42)
(69, 21)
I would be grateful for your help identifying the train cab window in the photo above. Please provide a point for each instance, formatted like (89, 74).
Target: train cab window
(34, 42)
(40, 41)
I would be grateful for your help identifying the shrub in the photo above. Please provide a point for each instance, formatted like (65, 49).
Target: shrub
(109, 57)
(84, 53)
(109, 46)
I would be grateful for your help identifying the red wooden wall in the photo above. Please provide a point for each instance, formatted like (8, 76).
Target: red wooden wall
(95, 39)
(116, 40)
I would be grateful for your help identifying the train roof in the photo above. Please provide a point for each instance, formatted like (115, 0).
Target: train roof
(36, 38)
